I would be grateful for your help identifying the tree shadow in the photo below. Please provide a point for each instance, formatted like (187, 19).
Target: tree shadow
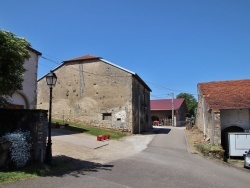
(62, 165)
(154, 130)
(67, 131)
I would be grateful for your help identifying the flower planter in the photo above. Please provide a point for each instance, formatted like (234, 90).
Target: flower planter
(99, 138)
(103, 137)
(58, 125)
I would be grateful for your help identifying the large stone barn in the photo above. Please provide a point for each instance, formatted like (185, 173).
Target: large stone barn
(96, 92)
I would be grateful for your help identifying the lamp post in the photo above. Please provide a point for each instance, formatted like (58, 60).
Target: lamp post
(51, 81)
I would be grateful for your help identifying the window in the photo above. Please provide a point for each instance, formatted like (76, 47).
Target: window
(106, 116)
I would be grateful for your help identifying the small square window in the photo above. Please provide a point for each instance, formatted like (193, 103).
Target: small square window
(106, 116)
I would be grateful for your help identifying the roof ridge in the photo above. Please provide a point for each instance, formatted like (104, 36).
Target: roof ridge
(84, 57)
(219, 81)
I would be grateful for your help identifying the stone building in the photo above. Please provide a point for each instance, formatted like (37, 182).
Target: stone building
(162, 109)
(223, 106)
(93, 91)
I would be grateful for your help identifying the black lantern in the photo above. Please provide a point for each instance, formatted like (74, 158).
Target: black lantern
(51, 81)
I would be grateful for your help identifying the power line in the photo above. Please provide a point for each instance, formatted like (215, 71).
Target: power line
(105, 75)
(89, 72)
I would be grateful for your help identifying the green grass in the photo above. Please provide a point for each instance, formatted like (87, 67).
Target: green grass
(14, 176)
(91, 130)
(23, 173)
(214, 151)
(207, 147)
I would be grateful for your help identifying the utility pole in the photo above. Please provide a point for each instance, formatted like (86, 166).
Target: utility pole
(172, 109)
(172, 94)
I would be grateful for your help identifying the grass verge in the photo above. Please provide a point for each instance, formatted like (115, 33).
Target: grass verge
(61, 165)
(95, 131)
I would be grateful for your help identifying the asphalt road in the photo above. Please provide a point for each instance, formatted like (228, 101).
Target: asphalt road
(165, 163)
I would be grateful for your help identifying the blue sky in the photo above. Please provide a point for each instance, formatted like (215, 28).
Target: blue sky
(171, 44)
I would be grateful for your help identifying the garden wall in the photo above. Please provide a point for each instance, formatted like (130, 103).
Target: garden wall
(36, 121)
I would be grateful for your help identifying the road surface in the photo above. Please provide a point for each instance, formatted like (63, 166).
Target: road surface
(166, 162)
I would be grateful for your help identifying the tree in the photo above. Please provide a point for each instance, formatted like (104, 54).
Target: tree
(13, 53)
(190, 101)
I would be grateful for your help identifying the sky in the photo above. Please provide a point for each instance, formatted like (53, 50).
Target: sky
(171, 44)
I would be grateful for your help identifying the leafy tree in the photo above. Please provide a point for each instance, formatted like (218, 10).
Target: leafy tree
(190, 101)
(13, 53)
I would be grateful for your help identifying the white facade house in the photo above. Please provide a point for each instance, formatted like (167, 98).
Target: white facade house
(27, 97)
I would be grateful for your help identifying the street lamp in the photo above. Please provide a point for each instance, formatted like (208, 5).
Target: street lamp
(51, 81)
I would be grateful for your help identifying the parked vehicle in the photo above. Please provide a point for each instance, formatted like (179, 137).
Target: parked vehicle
(247, 159)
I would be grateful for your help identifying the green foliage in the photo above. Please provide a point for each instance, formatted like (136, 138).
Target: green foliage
(14, 52)
(20, 147)
(215, 151)
(190, 101)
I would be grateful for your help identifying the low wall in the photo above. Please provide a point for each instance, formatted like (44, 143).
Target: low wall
(36, 121)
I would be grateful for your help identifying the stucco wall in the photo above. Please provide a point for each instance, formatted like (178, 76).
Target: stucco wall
(85, 92)
(27, 97)
(237, 117)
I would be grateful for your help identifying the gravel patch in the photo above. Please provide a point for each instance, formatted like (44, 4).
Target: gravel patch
(116, 149)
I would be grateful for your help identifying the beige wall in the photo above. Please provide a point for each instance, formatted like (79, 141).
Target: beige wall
(27, 96)
(86, 91)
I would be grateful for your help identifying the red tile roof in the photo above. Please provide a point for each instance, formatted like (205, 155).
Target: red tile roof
(81, 58)
(165, 104)
(233, 94)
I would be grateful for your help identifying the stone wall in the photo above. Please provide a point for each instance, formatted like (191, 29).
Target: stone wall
(140, 108)
(208, 121)
(201, 114)
(33, 120)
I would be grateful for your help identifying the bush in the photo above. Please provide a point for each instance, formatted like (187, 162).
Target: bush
(211, 150)
(20, 146)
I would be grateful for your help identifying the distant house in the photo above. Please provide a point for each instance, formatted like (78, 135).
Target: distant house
(223, 106)
(27, 97)
(96, 92)
(162, 109)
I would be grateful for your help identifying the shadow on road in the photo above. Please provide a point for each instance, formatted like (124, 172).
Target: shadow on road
(68, 131)
(156, 130)
(64, 165)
